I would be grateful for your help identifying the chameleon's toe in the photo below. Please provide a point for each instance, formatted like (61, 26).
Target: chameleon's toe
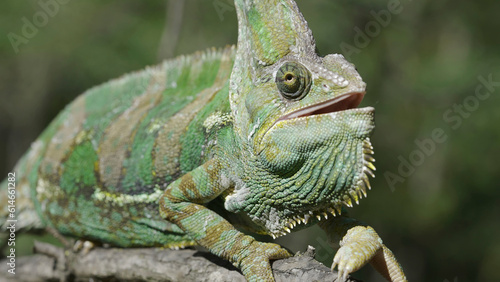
(83, 246)
(255, 264)
(358, 247)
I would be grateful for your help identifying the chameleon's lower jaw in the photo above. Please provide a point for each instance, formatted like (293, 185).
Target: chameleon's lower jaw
(362, 114)
(329, 113)
(355, 122)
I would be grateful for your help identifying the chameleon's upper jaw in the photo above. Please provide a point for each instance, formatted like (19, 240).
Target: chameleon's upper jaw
(340, 103)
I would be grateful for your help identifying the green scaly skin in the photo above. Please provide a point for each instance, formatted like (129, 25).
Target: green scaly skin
(266, 137)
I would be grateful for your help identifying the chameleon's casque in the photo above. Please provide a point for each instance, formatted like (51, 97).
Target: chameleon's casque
(264, 137)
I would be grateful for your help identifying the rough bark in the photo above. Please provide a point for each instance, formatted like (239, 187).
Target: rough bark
(150, 264)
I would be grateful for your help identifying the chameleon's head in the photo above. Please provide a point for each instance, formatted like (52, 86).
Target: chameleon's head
(296, 113)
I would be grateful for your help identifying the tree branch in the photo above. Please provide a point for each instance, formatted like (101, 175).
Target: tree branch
(171, 29)
(151, 264)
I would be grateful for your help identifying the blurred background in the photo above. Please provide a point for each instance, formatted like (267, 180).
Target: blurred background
(432, 69)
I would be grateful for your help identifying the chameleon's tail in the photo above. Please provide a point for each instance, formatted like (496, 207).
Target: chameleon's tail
(17, 210)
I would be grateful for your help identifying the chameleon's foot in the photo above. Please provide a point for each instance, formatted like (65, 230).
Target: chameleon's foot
(361, 245)
(358, 247)
(255, 265)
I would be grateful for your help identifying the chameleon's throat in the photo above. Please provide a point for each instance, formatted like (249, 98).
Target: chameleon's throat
(353, 195)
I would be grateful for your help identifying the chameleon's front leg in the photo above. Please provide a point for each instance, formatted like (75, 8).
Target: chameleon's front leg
(360, 244)
(182, 204)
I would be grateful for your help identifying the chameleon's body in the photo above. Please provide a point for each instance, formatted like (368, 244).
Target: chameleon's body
(99, 169)
(263, 137)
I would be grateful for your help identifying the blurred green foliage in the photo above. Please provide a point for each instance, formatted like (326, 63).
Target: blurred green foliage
(422, 64)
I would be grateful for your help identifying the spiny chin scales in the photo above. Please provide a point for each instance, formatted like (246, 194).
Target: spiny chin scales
(359, 190)
(354, 194)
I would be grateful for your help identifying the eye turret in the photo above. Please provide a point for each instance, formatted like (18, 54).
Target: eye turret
(293, 80)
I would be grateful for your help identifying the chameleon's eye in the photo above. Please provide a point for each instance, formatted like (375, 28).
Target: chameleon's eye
(293, 80)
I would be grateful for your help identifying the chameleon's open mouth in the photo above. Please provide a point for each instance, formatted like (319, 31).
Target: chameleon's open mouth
(341, 103)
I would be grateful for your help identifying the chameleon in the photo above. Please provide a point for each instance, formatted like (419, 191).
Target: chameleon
(210, 148)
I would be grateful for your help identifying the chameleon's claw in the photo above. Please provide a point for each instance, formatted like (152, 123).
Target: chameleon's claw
(84, 246)
(358, 247)
(345, 265)
(341, 275)
(255, 265)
